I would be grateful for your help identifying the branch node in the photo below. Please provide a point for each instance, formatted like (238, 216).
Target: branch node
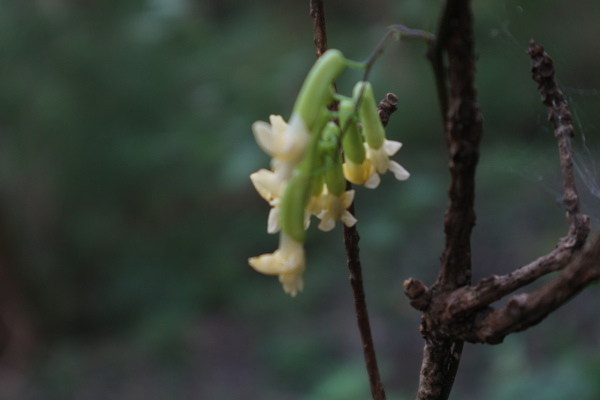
(418, 293)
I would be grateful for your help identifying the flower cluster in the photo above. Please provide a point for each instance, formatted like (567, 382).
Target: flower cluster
(308, 168)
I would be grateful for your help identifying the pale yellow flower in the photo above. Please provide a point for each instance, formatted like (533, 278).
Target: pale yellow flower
(267, 185)
(361, 174)
(288, 261)
(380, 158)
(284, 143)
(330, 208)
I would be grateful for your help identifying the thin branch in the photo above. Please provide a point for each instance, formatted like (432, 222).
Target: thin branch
(542, 69)
(395, 32)
(527, 309)
(351, 239)
(351, 236)
(517, 315)
(494, 288)
(435, 54)
(317, 12)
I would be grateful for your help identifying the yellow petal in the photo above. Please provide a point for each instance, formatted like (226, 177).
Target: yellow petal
(292, 282)
(265, 183)
(288, 261)
(358, 173)
(268, 264)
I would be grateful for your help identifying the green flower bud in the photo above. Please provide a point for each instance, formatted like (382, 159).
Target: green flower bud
(352, 141)
(317, 184)
(312, 155)
(367, 112)
(295, 198)
(301, 185)
(330, 139)
(334, 176)
(317, 91)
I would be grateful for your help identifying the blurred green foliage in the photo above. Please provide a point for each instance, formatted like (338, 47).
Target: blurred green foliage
(127, 214)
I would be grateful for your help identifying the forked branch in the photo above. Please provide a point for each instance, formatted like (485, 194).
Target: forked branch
(579, 268)
(454, 311)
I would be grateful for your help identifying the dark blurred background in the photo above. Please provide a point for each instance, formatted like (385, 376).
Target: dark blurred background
(127, 215)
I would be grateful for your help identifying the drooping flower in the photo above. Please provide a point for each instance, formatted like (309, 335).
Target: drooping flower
(267, 185)
(330, 208)
(380, 158)
(357, 168)
(285, 143)
(361, 174)
(288, 261)
(271, 190)
(378, 148)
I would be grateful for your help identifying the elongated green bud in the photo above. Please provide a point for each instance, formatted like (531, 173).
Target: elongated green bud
(352, 141)
(317, 184)
(367, 112)
(330, 138)
(295, 198)
(334, 177)
(317, 92)
(330, 145)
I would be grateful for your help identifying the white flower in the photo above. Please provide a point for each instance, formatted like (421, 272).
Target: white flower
(330, 208)
(380, 158)
(288, 261)
(267, 185)
(284, 143)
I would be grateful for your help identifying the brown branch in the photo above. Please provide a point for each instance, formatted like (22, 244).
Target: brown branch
(517, 316)
(454, 312)
(317, 12)
(527, 309)
(465, 313)
(351, 239)
(351, 236)
(496, 287)
(463, 127)
(542, 69)
(463, 133)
